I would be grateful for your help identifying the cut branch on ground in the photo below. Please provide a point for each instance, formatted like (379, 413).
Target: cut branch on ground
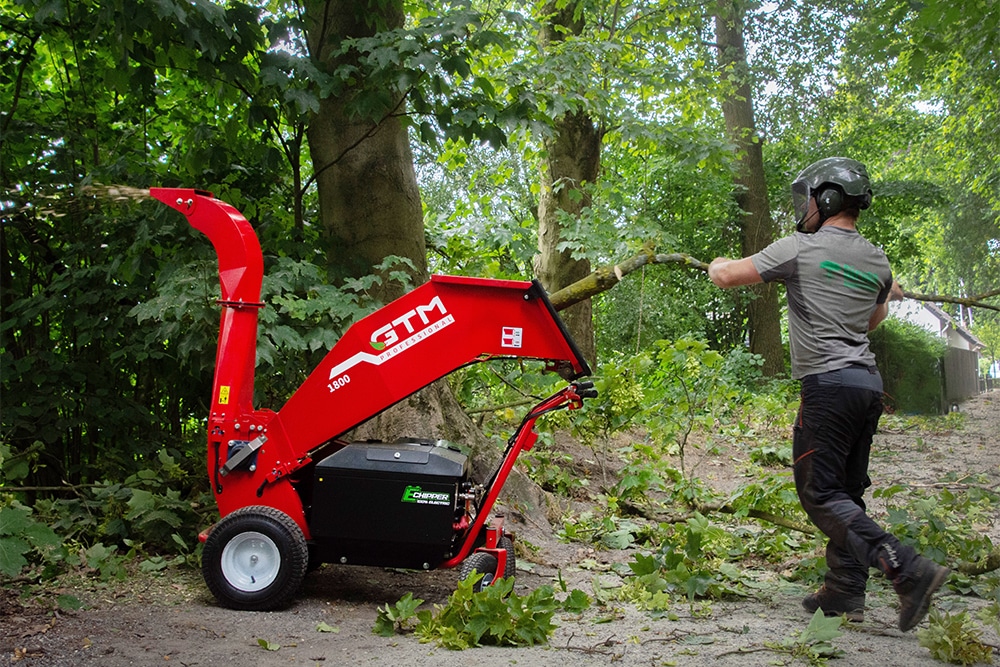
(706, 509)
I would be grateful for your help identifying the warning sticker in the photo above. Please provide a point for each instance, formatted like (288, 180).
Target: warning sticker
(511, 337)
(224, 395)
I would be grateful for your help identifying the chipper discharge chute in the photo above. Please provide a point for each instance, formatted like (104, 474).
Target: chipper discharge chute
(291, 493)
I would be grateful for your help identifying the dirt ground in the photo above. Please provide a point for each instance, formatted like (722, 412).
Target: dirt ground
(172, 619)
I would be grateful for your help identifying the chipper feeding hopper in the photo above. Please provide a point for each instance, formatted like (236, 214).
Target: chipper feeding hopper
(293, 494)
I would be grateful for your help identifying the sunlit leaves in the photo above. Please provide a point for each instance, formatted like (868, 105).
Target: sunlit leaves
(923, 115)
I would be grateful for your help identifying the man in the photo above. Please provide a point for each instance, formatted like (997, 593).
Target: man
(838, 288)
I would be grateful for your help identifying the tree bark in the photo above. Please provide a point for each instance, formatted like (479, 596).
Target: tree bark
(370, 206)
(757, 229)
(368, 196)
(572, 162)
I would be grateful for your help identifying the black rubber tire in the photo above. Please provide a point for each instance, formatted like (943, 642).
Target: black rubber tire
(315, 562)
(510, 565)
(481, 562)
(252, 542)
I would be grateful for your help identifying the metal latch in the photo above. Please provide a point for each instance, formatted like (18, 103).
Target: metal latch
(243, 455)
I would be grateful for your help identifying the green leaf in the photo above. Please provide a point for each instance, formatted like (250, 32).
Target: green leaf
(69, 602)
(323, 627)
(12, 560)
(42, 536)
(396, 616)
(384, 626)
(14, 520)
(577, 601)
(822, 628)
(618, 539)
(268, 646)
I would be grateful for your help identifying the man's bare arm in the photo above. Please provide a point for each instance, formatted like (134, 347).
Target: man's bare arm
(882, 309)
(733, 272)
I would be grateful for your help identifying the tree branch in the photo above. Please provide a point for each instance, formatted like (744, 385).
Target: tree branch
(763, 516)
(968, 302)
(606, 277)
(988, 564)
(706, 509)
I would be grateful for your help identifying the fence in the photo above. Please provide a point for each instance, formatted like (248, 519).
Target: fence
(961, 374)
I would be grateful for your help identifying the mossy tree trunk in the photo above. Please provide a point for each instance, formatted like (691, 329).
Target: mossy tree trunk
(571, 163)
(757, 230)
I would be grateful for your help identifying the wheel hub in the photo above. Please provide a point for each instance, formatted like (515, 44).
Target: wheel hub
(251, 561)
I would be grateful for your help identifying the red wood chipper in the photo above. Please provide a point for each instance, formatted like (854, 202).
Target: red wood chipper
(292, 494)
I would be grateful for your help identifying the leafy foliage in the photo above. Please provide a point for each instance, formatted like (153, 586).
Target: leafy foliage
(814, 644)
(688, 562)
(105, 526)
(495, 616)
(953, 638)
(943, 525)
(397, 618)
(987, 330)
(21, 535)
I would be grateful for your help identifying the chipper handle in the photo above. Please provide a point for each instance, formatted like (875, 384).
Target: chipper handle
(522, 440)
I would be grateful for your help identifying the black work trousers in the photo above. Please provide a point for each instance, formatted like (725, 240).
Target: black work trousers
(832, 441)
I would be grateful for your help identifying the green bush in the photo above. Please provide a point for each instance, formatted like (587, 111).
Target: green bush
(909, 358)
(103, 525)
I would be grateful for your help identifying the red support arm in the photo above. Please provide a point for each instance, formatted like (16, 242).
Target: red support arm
(440, 326)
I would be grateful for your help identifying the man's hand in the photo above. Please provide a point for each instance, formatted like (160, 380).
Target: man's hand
(896, 292)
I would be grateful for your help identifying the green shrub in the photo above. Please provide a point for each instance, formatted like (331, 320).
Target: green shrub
(909, 358)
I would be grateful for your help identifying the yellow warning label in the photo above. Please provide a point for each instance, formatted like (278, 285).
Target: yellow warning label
(224, 395)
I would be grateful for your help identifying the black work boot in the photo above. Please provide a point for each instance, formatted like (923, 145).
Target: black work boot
(836, 604)
(915, 589)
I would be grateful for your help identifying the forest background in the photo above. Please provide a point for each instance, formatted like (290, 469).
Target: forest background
(372, 143)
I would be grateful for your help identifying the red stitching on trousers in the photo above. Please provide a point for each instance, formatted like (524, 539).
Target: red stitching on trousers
(803, 456)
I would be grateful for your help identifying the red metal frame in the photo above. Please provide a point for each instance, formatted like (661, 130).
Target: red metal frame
(493, 534)
(450, 321)
(522, 441)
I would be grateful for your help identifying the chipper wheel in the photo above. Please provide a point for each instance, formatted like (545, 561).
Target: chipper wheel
(255, 559)
(486, 564)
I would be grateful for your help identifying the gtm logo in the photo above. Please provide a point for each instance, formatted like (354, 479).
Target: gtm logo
(388, 335)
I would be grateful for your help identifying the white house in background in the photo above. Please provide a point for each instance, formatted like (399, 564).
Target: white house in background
(961, 359)
(931, 317)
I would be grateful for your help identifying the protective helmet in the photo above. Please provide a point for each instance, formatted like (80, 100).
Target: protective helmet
(837, 184)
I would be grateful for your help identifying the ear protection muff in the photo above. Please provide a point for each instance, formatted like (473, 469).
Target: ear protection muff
(830, 202)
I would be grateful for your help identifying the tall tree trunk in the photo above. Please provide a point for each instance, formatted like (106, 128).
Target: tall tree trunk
(368, 195)
(757, 229)
(572, 160)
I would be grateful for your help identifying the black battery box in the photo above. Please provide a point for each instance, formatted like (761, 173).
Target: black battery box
(388, 504)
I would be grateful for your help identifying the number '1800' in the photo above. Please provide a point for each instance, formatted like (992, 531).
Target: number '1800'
(339, 383)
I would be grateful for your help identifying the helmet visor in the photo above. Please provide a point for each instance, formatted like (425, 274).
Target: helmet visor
(800, 199)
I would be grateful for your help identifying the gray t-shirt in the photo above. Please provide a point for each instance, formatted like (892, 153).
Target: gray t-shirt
(834, 279)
